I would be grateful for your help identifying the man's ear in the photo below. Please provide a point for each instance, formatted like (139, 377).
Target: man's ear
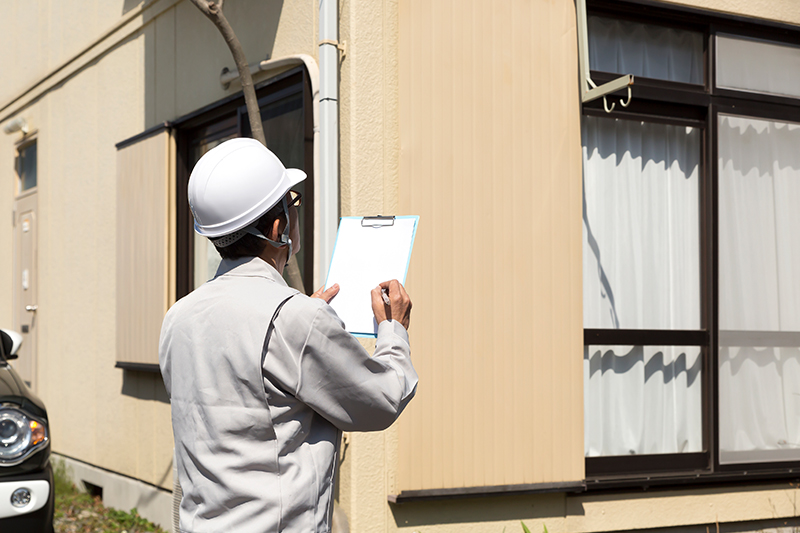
(275, 230)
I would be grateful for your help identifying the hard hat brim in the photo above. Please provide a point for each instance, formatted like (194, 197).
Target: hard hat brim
(295, 176)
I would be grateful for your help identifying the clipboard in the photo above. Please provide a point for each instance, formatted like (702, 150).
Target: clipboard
(368, 251)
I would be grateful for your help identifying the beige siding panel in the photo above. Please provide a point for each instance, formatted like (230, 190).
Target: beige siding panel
(490, 160)
(145, 282)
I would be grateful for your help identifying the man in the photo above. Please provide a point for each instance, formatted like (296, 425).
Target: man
(262, 379)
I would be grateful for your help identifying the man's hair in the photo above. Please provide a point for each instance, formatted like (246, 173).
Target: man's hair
(250, 245)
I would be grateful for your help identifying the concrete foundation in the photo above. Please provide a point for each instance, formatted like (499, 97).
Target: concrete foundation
(122, 492)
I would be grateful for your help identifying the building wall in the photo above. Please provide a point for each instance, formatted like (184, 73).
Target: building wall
(779, 10)
(151, 63)
(490, 159)
(164, 61)
(48, 33)
(754, 508)
(95, 411)
(377, 465)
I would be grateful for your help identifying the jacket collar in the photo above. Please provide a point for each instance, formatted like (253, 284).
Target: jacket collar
(249, 267)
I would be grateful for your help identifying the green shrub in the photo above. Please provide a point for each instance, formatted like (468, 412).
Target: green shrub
(61, 478)
(80, 511)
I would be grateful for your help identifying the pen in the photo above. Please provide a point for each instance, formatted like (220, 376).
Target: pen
(385, 294)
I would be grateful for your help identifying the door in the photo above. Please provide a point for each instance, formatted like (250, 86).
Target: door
(25, 284)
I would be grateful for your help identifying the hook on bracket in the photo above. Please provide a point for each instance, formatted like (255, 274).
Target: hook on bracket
(628, 101)
(608, 88)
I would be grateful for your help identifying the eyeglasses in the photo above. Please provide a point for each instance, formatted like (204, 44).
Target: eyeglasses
(295, 199)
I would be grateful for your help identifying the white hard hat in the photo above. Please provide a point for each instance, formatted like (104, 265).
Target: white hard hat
(235, 183)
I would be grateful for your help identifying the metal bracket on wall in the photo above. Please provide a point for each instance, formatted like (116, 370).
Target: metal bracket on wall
(589, 89)
(342, 46)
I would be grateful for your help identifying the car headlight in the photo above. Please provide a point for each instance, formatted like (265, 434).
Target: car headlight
(20, 435)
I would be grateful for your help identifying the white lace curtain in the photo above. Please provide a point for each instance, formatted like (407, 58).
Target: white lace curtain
(641, 270)
(759, 283)
(626, 47)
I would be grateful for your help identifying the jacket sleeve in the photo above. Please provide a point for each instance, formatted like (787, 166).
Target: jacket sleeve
(325, 367)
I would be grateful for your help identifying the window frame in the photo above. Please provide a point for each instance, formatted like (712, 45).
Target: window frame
(285, 84)
(698, 106)
(31, 139)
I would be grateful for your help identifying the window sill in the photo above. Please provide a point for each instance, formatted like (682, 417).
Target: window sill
(477, 492)
(139, 367)
(692, 480)
(665, 481)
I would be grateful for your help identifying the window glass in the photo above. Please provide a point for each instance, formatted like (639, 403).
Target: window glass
(642, 400)
(759, 289)
(206, 258)
(626, 47)
(26, 168)
(284, 130)
(641, 265)
(759, 66)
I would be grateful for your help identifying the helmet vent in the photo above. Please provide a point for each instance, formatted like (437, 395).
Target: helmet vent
(227, 240)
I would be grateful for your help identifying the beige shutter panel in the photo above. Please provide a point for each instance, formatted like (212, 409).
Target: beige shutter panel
(145, 244)
(490, 159)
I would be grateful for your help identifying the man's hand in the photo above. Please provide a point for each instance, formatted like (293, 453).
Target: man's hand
(399, 306)
(328, 295)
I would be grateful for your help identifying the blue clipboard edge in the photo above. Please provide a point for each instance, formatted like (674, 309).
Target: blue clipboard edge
(405, 274)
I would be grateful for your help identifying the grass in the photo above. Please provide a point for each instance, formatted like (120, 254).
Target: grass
(79, 512)
(526, 530)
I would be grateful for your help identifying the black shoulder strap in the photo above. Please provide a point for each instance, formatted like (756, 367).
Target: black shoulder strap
(272, 327)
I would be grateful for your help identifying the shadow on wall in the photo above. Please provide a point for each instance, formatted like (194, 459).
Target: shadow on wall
(144, 386)
(533, 509)
(127, 5)
(185, 55)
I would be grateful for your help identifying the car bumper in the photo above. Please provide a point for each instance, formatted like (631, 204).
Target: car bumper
(37, 515)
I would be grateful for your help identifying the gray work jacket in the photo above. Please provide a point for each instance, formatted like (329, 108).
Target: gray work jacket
(262, 380)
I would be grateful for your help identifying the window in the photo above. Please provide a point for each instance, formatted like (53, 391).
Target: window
(26, 167)
(691, 262)
(285, 103)
(759, 289)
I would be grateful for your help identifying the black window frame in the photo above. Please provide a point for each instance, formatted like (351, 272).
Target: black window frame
(233, 110)
(28, 142)
(698, 106)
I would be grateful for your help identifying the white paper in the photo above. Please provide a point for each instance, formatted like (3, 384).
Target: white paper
(365, 256)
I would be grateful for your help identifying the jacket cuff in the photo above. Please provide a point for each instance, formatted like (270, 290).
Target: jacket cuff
(393, 327)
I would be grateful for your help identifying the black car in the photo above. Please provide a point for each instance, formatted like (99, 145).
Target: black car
(26, 477)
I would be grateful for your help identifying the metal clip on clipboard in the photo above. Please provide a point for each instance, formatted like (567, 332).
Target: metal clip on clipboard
(379, 221)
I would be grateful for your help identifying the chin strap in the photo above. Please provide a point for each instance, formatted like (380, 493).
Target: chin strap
(227, 240)
(285, 240)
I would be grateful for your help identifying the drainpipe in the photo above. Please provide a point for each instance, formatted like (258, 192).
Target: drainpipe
(327, 201)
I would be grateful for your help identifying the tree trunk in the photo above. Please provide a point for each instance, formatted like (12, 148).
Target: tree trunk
(213, 11)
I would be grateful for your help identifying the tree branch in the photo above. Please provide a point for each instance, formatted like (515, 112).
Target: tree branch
(213, 11)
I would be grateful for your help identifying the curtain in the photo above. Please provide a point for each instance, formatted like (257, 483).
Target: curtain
(626, 47)
(641, 253)
(759, 283)
(641, 270)
(759, 66)
(642, 400)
